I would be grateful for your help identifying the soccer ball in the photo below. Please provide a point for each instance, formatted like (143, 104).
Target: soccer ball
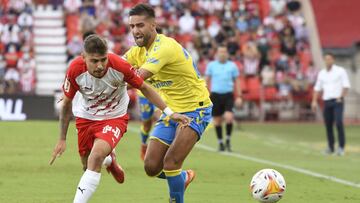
(267, 186)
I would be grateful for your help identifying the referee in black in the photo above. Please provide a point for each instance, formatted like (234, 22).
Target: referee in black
(221, 75)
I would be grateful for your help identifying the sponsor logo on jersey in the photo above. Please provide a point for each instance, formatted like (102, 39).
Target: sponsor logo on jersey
(115, 83)
(152, 60)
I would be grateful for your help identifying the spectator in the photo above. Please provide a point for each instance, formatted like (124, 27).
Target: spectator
(251, 59)
(233, 46)
(11, 57)
(268, 76)
(242, 24)
(25, 20)
(74, 47)
(2, 74)
(187, 23)
(87, 22)
(12, 79)
(72, 6)
(277, 6)
(214, 28)
(26, 66)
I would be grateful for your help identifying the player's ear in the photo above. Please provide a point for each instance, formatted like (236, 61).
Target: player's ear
(83, 55)
(153, 23)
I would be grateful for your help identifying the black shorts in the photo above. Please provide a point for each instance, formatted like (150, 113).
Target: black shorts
(222, 103)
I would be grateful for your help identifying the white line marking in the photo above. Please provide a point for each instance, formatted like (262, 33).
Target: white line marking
(267, 162)
(288, 167)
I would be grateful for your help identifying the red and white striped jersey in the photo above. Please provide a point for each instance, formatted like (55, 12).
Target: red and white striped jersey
(100, 98)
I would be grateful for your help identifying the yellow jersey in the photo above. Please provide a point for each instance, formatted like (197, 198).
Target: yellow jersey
(175, 74)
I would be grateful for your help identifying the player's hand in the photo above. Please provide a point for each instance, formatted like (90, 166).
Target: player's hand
(181, 119)
(135, 69)
(238, 102)
(58, 150)
(314, 106)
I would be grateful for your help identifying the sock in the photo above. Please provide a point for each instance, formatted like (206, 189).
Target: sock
(161, 175)
(228, 137)
(87, 186)
(144, 135)
(229, 127)
(176, 184)
(218, 130)
(107, 161)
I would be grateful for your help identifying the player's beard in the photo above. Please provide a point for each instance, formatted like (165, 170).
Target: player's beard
(142, 41)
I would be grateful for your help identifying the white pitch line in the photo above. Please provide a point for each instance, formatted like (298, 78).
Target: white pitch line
(262, 161)
(284, 166)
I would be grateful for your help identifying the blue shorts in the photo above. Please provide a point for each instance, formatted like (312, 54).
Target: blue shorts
(165, 128)
(146, 109)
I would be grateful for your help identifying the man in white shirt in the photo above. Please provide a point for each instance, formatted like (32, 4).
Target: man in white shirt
(334, 84)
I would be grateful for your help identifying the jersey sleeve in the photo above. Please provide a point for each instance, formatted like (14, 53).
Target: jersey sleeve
(158, 59)
(235, 72)
(318, 84)
(129, 56)
(125, 68)
(70, 87)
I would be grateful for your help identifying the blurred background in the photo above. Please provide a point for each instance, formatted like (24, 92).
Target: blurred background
(276, 44)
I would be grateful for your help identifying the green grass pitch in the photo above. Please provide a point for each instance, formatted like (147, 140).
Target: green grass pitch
(26, 177)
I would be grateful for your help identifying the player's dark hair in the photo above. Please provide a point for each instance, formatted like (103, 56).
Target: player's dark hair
(87, 33)
(94, 44)
(142, 10)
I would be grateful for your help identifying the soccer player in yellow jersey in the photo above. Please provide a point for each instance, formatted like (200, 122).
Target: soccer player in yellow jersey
(178, 82)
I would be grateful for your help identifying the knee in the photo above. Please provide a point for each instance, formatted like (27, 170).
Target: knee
(172, 163)
(146, 128)
(228, 117)
(146, 125)
(339, 122)
(96, 158)
(151, 168)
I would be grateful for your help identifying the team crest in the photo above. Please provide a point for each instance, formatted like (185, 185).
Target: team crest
(115, 83)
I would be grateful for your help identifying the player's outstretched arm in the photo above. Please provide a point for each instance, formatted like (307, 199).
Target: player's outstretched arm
(144, 74)
(155, 98)
(65, 116)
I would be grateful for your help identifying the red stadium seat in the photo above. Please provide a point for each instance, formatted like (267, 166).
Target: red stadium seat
(270, 94)
(253, 86)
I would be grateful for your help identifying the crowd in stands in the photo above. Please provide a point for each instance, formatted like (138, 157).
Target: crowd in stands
(17, 63)
(268, 40)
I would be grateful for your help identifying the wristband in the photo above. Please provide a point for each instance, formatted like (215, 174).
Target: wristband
(168, 111)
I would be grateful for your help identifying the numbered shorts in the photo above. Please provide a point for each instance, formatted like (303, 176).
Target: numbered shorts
(146, 109)
(110, 130)
(165, 128)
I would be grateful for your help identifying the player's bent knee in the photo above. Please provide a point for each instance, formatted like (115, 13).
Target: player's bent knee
(152, 170)
(96, 158)
(172, 163)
